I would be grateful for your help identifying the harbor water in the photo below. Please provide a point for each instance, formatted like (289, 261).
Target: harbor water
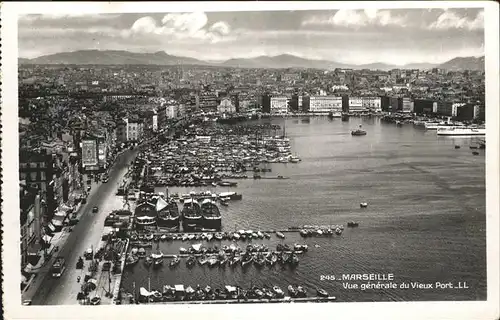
(425, 220)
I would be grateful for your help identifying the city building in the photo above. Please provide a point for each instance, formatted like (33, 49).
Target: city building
(373, 104)
(129, 130)
(135, 130)
(294, 103)
(305, 103)
(422, 106)
(454, 108)
(406, 105)
(37, 170)
(467, 112)
(279, 105)
(445, 108)
(266, 103)
(155, 121)
(326, 104)
(356, 105)
(31, 223)
(235, 100)
(207, 102)
(395, 104)
(226, 106)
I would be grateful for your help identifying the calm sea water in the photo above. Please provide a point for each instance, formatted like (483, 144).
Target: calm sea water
(425, 221)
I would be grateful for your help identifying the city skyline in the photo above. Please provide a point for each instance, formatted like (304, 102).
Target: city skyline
(395, 36)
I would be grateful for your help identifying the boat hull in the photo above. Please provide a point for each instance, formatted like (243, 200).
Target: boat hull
(461, 133)
(168, 222)
(192, 223)
(212, 223)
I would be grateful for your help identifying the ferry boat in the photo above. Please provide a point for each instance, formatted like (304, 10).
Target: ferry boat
(436, 125)
(432, 125)
(358, 132)
(461, 131)
(168, 213)
(145, 215)
(211, 215)
(192, 217)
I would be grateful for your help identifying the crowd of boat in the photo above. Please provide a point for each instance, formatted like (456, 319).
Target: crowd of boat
(232, 255)
(145, 239)
(200, 154)
(182, 293)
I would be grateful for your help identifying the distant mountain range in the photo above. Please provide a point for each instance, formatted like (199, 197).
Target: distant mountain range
(117, 57)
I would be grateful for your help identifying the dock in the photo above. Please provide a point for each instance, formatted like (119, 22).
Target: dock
(187, 255)
(232, 301)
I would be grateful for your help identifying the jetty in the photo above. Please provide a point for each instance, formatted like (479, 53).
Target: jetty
(274, 300)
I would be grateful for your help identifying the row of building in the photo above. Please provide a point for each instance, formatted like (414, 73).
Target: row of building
(339, 104)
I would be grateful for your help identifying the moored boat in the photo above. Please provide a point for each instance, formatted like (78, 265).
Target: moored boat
(175, 261)
(352, 224)
(322, 293)
(292, 291)
(131, 260)
(191, 260)
(191, 215)
(145, 215)
(211, 215)
(148, 261)
(168, 213)
(461, 131)
(280, 235)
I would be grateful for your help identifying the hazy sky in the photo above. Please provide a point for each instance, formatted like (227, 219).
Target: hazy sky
(396, 36)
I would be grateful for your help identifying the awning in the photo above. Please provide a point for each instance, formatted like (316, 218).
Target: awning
(144, 292)
(50, 227)
(230, 289)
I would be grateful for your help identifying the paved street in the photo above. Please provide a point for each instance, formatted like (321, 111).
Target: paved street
(85, 234)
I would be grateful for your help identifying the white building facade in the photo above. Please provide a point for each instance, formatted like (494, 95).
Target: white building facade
(171, 111)
(373, 104)
(279, 105)
(226, 106)
(407, 105)
(325, 104)
(155, 122)
(356, 105)
(454, 108)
